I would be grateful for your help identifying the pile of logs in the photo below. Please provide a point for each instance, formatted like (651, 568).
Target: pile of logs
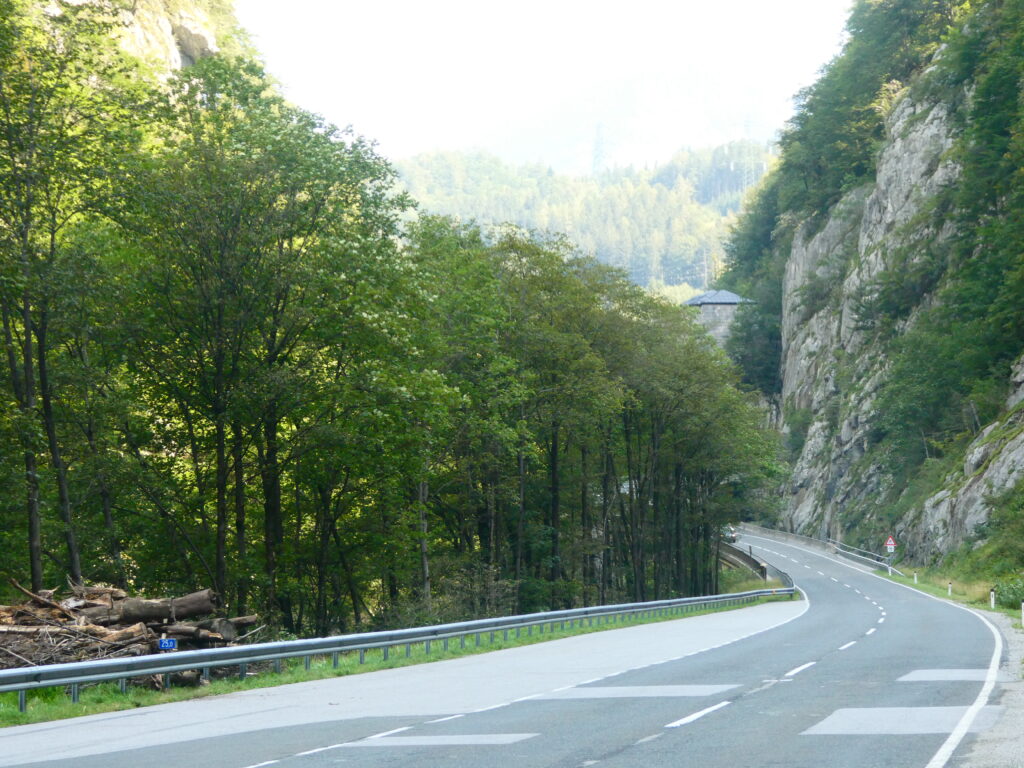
(103, 622)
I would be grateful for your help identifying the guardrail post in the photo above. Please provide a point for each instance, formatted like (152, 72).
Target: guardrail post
(205, 674)
(243, 669)
(74, 692)
(362, 655)
(387, 651)
(462, 641)
(426, 646)
(408, 650)
(307, 662)
(505, 635)
(23, 700)
(123, 684)
(477, 639)
(446, 645)
(335, 659)
(277, 666)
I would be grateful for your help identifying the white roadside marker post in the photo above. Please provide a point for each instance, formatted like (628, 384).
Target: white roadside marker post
(992, 598)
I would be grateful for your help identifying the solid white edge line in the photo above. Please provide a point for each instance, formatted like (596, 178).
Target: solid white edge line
(953, 741)
(318, 749)
(800, 669)
(697, 715)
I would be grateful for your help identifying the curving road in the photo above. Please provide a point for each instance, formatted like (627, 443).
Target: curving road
(862, 673)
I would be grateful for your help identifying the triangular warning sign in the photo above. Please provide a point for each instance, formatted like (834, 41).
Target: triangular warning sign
(890, 542)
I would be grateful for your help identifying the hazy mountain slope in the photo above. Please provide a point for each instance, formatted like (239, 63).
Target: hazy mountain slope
(662, 225)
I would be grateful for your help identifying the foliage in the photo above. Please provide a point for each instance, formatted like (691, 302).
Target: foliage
(235, 359)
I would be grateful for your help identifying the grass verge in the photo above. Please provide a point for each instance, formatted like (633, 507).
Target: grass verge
(48, 704)
(972, 593)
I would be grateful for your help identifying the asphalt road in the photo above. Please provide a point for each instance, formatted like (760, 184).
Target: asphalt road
(861, 673)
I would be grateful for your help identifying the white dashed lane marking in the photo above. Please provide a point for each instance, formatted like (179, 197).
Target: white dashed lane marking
(801, 668)
(698, 715)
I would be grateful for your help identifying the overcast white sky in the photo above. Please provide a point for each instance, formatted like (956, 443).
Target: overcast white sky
(537, 81)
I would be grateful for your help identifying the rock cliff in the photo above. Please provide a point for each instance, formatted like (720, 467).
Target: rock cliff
(831, 367)
(171, 34)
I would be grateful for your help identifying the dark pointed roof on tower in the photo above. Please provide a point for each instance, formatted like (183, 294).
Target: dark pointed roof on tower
(716, 297)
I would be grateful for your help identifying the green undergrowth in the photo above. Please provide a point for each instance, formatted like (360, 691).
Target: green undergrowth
(55, 704)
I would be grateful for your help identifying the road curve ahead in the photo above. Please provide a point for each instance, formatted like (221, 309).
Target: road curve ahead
(863, 673)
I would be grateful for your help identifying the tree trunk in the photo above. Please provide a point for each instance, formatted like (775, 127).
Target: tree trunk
(273, 525)
(586, 565)
(23, 384)
(423, 493)
(555, 508)
(241, 544)
(221, 558)
(606, 528)
(521, 513)
(56, 460)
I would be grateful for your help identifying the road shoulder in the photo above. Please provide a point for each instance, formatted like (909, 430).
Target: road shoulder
(1000, 746)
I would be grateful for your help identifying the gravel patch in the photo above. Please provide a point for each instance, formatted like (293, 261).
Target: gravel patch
(1002, 745)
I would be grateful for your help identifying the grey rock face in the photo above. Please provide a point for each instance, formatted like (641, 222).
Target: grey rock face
(829, 367)
(170, 39)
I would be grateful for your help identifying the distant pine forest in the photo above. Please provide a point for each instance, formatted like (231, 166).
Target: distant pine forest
(664, 225)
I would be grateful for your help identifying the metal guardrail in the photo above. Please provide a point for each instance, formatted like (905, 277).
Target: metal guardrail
(80, 673)
(880, 562)
(740, 558)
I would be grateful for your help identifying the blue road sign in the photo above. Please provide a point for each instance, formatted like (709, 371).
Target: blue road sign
(168, 644)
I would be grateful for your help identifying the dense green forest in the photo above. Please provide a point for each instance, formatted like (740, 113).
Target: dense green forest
(234, 358)
(662, 226)
(948, 314)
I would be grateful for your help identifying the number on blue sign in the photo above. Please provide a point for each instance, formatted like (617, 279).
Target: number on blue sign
(168, 644)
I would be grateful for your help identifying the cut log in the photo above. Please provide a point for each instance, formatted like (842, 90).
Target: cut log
(137, 631)
(103, 594)
(200, 603)
(223, 627)
(244, 621)
(134, 609)
(18, 629)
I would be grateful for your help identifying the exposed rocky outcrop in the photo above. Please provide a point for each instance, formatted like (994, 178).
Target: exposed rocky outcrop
(170, 35)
